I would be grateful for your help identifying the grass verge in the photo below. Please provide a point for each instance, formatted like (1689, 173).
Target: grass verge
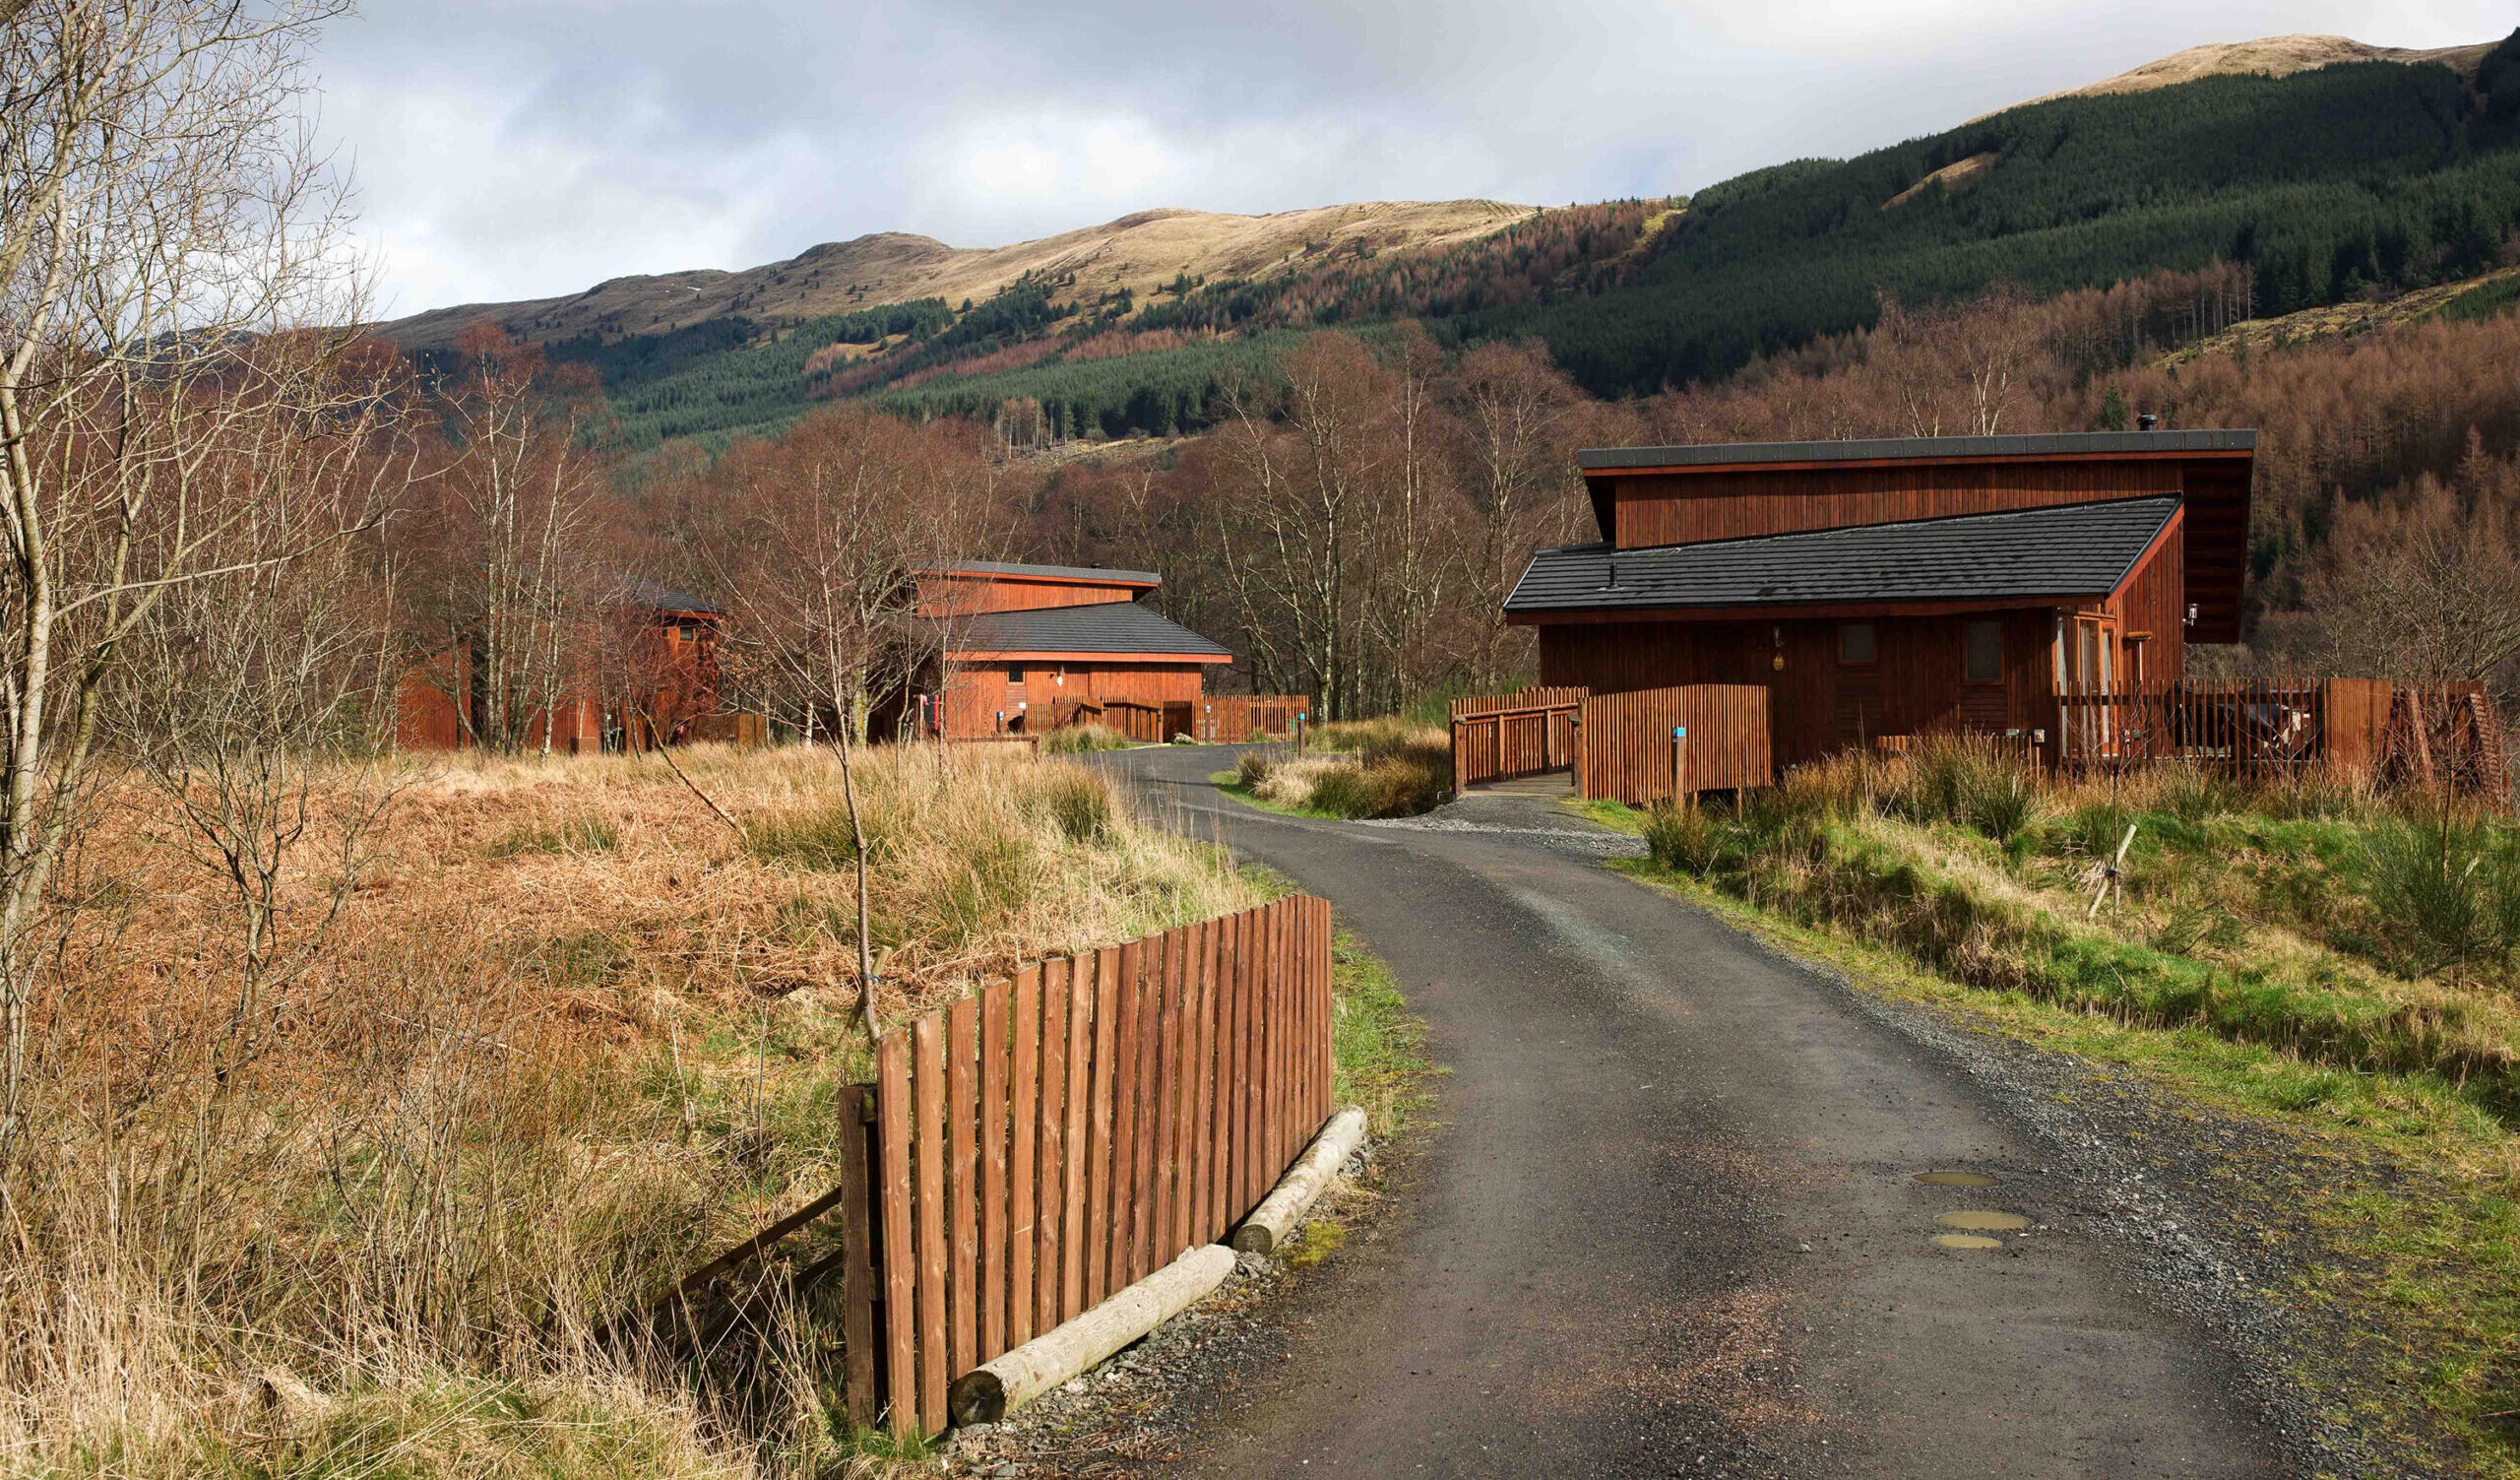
(2266, 962)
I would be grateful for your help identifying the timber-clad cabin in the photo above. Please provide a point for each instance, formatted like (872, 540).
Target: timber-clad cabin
(1900, 587)
(1024, 647)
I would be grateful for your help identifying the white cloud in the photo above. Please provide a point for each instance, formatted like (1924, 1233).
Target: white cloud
(508, 149)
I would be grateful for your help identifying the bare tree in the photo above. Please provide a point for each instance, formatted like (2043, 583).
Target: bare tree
(1514, 408)
(837, 521)
(509, 546)
(159, 204)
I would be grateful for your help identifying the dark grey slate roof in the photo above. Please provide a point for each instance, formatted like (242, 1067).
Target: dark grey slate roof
(641, 591)
(2077, 550)
(1057, 572)
(2044, 444)
(1104, 627)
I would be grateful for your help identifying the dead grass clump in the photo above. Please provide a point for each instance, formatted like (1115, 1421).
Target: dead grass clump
(568, 1035)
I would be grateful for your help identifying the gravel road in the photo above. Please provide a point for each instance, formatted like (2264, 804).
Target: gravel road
(1672, 1221)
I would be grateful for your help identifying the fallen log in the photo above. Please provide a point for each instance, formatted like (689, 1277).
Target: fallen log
(987, 1393)
(1268, 1224)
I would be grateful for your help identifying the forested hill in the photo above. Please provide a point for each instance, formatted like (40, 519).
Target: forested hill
(2358, 178)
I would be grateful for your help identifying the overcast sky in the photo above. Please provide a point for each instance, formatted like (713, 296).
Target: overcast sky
(511, 149)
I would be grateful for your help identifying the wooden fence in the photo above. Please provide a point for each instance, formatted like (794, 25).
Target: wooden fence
(1149, 724)
(1056, 1137)
(2363, 729)
(1624, 749)
(1496, 737)
(1239, 719)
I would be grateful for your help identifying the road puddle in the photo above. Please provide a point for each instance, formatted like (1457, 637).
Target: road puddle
(1984, 1222)
(1967, 1241)
(1955, 1179)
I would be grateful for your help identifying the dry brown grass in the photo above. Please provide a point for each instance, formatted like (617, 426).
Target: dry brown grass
(570, 1035)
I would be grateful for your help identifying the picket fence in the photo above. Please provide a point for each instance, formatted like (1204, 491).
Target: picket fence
(1053, 1139)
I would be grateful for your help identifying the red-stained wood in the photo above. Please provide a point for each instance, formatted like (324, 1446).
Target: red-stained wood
(897, 1199)
(1129, 1063)
(1024, 1130)
(927, 1077)
(1628, 754)
(1052, 1156)
(1097, 1144)
(1080, 1099)
(1171, 1235)
(962, 1131)
(1203, 1139)
(1252, 980)
(1141, 1179)
(859, 1208)
(992, 1169)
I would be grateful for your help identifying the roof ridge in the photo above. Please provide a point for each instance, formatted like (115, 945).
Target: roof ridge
(1883, 524)
(1864, 449)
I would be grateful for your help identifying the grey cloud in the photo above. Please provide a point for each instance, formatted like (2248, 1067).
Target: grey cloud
(515, 147)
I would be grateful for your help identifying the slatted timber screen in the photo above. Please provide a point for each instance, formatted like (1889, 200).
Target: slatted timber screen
(1144, 723)
(1496, 737)
(2361, 730)
(1239, 719)
(1053, 1139)
(1624, 751)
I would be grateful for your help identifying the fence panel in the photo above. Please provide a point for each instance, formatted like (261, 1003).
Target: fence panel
(1498, 736)
(1239, 719)
(1132, 1103)
(1626, 752)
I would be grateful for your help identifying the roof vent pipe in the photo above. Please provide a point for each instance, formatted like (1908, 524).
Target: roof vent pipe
(2146, 420)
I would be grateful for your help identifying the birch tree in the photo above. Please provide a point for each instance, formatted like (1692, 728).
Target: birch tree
(160, 205)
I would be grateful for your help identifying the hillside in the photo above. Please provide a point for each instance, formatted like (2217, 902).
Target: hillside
(2267, 56)
(2335, 171)
(1137, 254)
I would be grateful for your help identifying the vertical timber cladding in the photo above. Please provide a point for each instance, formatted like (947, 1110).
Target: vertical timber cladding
(1916, 686)
(1054, 1138)
(1627, 751)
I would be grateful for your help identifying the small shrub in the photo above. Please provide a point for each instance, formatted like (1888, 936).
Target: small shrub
(1078, 739)
(1684, 839)
(1381, 788)
(2193, 794)
(1081, 804)
(1999, 799)
(2446, 890)
(1252, 769)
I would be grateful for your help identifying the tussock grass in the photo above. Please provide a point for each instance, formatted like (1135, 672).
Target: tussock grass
(1371, 768)
(1078, 739)
(569, 1036)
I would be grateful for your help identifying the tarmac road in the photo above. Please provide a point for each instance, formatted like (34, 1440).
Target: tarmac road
(1670, 1224)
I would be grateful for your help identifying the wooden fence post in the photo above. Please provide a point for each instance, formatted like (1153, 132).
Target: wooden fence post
(857, 1242)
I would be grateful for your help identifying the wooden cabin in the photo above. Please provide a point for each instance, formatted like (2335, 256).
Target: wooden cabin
(643, 671)
(1025, 646)
(1901, 587)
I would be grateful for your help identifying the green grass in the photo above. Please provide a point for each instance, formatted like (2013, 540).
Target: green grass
(1377, 1047)
(2249, 969)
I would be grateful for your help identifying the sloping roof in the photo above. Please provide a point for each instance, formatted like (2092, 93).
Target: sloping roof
(1104, 627)
(1082, 574)
(639, 591)
(1944, 449)
(2074, 549)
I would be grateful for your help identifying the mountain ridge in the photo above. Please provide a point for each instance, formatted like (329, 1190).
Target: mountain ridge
(1138, 253)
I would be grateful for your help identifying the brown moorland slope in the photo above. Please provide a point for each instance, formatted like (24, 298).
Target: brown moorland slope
(1140, 252)
(2269, 56)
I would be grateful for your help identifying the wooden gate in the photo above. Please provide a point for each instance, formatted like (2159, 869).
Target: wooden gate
(1497, 736)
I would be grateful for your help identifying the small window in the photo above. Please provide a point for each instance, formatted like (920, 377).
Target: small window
(1855, 642)
(1985, 644)
(1015, 677)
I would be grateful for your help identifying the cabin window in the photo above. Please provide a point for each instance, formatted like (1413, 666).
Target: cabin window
(1855, 642)
(1014, 676)
(1985, 644)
